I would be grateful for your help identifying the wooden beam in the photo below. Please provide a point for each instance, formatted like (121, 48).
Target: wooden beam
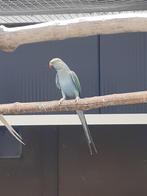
(72, 105)
(108, 23)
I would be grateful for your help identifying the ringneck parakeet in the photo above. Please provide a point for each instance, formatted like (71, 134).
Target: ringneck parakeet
(69, 84)
(10, 129)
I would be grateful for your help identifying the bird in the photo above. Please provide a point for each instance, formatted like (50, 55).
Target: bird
(11, 130)
(68, 83)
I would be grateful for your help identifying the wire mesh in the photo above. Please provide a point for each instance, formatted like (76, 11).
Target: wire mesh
(15, 7)
(41, 10)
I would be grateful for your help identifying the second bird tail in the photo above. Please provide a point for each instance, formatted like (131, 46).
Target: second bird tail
(87, 131)
(10, 129)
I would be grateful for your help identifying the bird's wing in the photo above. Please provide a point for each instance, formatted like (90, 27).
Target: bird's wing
(76, 81)
(57, 82)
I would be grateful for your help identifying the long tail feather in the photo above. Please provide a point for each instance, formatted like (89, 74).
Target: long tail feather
(10, 129)
(87, 131)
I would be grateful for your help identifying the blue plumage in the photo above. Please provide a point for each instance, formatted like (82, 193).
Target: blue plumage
(66, 84)
(69, 84)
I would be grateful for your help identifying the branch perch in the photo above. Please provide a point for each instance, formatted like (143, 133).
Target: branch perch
(71, 105)
(108, 23)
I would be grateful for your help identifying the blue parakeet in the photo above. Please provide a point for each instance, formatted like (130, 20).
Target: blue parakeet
(69, 84)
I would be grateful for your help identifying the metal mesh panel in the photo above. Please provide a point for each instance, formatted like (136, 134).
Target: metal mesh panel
(15, 7)
(40, 10)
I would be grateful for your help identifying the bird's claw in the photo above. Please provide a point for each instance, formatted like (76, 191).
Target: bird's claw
(77, 99)
(61, 100)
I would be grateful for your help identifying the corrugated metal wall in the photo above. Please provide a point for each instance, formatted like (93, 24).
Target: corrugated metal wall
(123, 65)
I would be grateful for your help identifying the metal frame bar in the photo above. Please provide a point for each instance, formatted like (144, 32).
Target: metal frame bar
(72, 119)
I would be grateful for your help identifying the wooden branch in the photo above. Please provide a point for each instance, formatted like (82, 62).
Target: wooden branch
(11, 38)
(71, 105)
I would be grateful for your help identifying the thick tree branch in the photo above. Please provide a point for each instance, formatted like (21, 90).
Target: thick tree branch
(108, 23)
(72, 105)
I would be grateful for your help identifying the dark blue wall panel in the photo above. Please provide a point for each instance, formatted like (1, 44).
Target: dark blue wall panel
(123, 67)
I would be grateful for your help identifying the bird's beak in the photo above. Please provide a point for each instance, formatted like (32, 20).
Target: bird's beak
(49, 65)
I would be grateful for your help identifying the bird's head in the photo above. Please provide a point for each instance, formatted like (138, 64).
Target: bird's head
(57, 64)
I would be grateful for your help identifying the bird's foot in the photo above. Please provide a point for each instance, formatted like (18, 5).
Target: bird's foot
(77, 99)
(43, 107)
(61, 100)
